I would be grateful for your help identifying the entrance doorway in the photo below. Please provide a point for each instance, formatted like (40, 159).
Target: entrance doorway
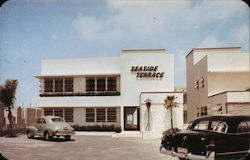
(131, 118)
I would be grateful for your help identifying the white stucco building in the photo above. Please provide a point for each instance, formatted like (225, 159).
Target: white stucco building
(112, 90)
(218, 81)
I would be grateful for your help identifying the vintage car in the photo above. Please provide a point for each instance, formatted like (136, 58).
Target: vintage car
(222, 137)
(50, 126)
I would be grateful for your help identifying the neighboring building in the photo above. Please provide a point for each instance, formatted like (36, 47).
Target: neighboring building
(218, 82)
(97, 91)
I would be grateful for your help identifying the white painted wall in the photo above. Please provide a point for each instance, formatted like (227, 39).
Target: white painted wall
(160, 119)
(131, 86)
(84, 66)
(228, 62)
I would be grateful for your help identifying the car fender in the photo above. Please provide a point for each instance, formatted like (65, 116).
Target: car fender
(32, 129)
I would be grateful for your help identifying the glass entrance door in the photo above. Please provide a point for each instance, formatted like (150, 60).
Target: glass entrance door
(131, 118)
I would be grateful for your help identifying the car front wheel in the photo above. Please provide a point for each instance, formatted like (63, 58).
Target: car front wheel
(67, 138)
(47, 136)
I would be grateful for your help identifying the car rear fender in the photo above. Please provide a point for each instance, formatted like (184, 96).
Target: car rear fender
(32, 129)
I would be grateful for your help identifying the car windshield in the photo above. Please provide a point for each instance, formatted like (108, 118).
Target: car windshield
(57, 120)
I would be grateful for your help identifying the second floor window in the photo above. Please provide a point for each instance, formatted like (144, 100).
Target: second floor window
(58, 85)
(101, 84)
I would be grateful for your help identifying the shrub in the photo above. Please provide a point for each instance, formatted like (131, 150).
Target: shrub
(168, 134)
(94, 128)
(117, 129)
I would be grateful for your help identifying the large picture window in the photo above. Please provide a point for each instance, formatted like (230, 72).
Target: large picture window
(58, 112)
(101, 85)
(68, 86)
(48, 85)
(112, 84)
(90, 84)
(90, 115)
(59, 85)
(101, 114)
(111, 114)
(66, 113)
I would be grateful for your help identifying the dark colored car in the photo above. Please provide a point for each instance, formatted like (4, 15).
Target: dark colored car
(222, 137)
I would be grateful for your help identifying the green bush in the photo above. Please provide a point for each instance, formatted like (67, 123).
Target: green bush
(168, 134)
(118, 129)
(94, 128)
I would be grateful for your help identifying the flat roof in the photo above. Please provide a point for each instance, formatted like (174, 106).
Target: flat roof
(212, 49)
(144, 50)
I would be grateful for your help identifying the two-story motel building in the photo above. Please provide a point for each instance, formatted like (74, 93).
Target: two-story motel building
(218, 82)
(112, 90)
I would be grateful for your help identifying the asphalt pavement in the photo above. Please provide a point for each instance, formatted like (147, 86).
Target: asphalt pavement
(81, 147)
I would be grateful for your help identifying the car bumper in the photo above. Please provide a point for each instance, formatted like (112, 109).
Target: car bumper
(187, 156)
(63, 133)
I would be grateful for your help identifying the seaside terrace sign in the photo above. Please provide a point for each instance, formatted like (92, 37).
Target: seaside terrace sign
(147, 72)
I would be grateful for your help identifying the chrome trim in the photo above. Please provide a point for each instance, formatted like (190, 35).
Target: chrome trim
(211, 156)
(236, 152)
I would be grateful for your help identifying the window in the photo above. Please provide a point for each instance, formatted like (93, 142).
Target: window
(57, 120)
(90, 84)
(68, 86)
(203, 111)
(100, 115)
(48, 111)
(243, 127)
(59, 85)
(68, 114)
(59, 112)
(202, 125)
(112, 84)
(221, 127)
(48, 85)
(101, 84)
(90, 115)
(111, 114)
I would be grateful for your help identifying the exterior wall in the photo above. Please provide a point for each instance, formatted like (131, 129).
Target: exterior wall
(160, 119)
(84, 66)
(196, 97)
(131, 86)
(228, 62)
(231, 103)
(228, 81)
(223, 69)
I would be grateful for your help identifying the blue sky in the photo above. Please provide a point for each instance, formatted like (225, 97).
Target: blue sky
(33, 30)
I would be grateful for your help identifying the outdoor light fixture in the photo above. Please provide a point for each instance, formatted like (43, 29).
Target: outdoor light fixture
(148, 104)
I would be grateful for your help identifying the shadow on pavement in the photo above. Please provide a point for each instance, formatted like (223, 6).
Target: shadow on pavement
(52, 139)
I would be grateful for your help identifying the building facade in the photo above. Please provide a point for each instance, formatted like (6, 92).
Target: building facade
(218, 82)
(112, 91)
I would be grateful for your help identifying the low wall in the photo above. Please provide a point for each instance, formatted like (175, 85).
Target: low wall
(22, 117)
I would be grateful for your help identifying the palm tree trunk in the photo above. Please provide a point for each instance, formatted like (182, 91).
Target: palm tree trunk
(10, 118)
(171, 118)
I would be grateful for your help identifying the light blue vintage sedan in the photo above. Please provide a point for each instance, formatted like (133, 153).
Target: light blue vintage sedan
(50, 126)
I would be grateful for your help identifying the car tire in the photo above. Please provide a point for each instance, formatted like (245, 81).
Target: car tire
(29, 135)
(67, 138)
(47, 136)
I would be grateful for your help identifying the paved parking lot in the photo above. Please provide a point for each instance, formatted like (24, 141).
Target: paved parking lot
(81, 147)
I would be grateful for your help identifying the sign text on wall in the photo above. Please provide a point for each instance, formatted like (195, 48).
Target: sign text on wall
(147, 71)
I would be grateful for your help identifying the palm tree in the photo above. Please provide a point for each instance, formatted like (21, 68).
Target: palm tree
(7, 99)
(170, 104)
